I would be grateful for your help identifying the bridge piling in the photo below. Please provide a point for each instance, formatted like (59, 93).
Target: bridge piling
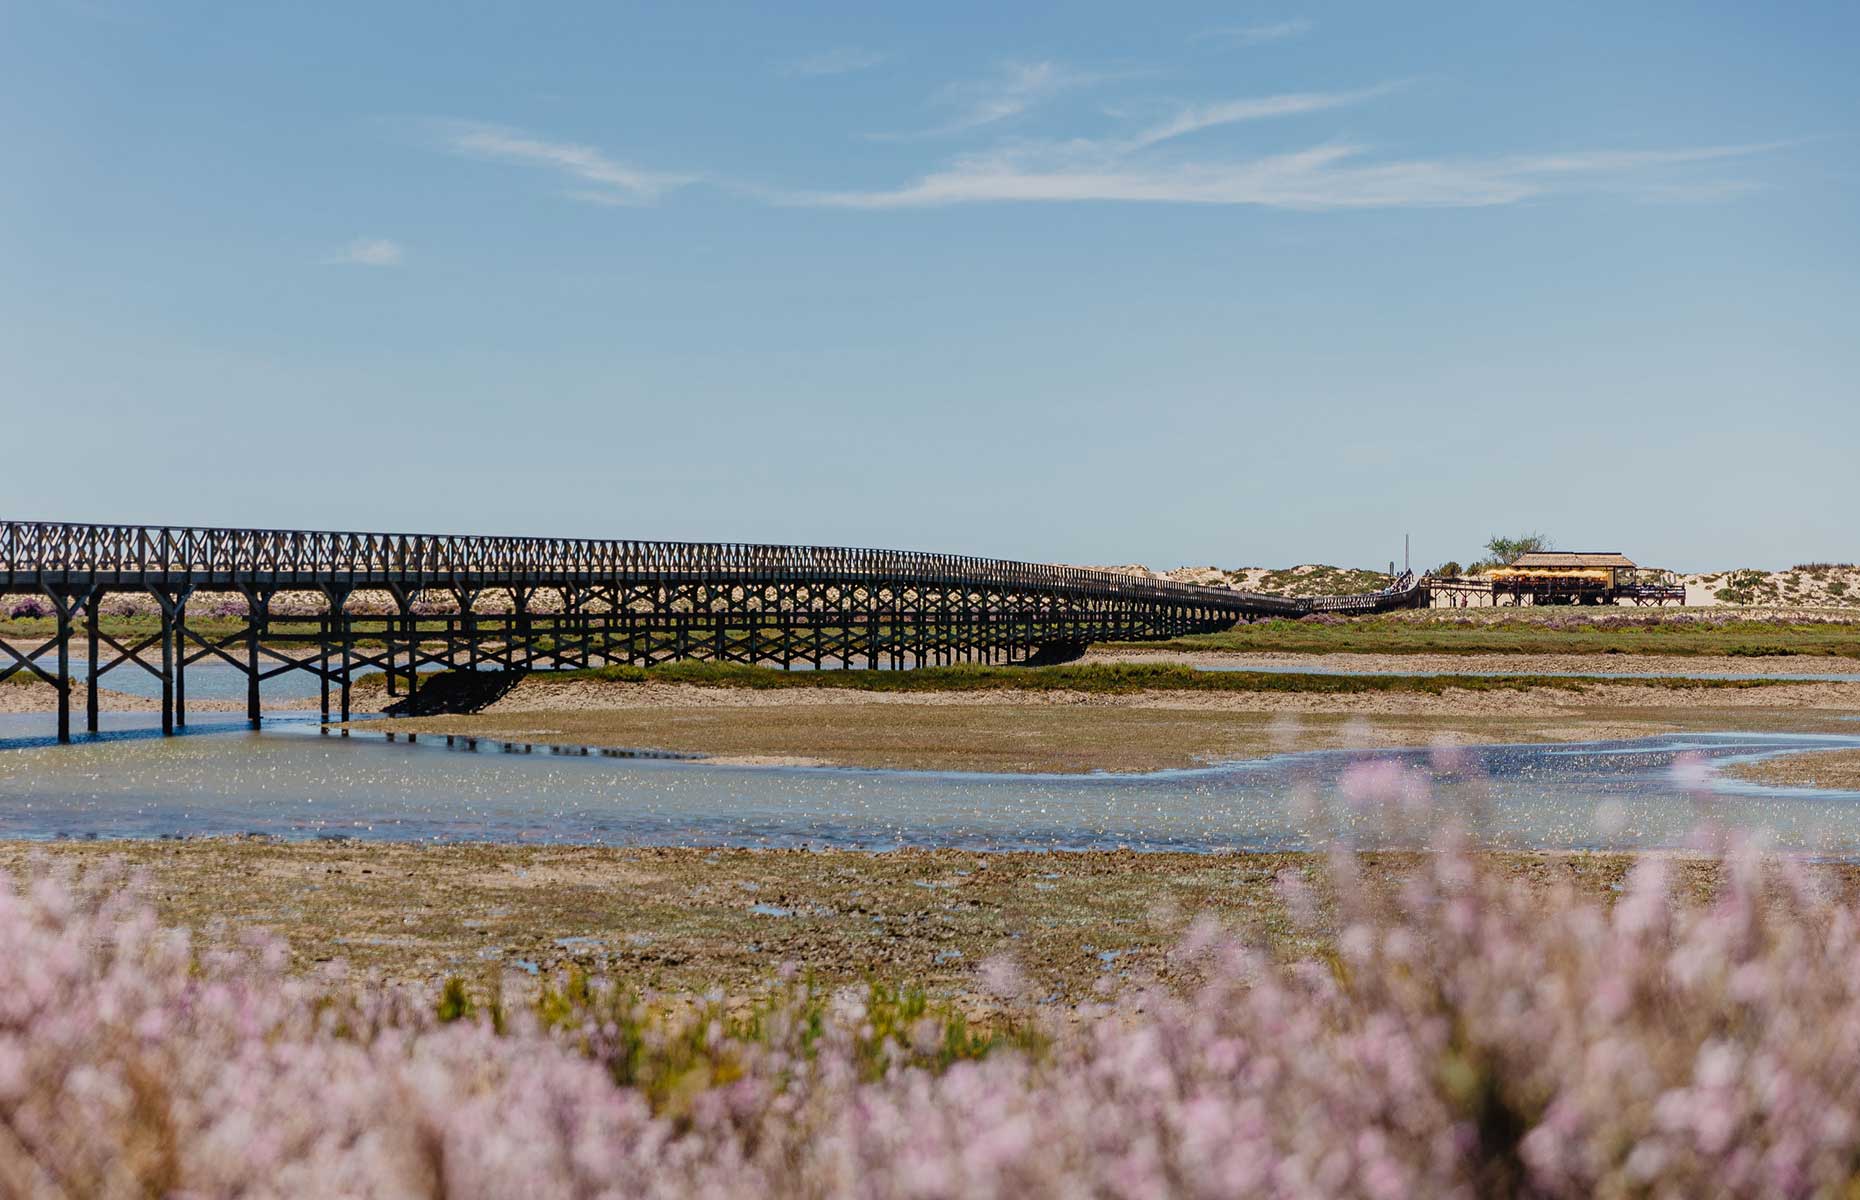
(61, 605)
(91, 604)
(167, 663)
(258, 619)
(180, 663)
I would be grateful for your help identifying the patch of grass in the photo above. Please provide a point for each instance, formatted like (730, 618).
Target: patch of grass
(1106, 679)
(1561, 634)
(671, 1052)
(27, 677)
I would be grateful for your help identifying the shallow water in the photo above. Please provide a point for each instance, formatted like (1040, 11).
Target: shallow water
(293, 781)
(206, 680)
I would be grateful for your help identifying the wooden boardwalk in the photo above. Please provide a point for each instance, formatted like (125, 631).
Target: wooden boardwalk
(337, 604)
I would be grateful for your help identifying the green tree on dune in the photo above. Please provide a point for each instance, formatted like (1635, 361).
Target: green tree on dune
(1503, 550)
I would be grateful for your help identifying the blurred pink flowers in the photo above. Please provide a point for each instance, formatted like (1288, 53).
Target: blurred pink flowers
(1472, 1036)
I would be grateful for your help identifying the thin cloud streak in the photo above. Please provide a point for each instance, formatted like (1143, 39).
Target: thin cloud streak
(1015, 88)
(615, 183)
(1321, 178)
(1291, 104)
(1019, 88)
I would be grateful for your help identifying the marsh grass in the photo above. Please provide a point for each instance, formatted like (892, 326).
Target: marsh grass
(1650, 634)
(1106, 679)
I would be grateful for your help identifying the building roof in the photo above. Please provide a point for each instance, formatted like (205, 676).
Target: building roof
(1562, 558)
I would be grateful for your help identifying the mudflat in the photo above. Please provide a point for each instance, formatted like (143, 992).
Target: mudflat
(688, 919)
(1064, 731)
(1820, 769)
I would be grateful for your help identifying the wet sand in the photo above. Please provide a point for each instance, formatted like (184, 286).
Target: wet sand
(1823, 769)
(1078, 732)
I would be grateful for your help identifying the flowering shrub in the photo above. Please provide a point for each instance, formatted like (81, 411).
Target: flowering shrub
(1465, 1035)
(29, 606)
(121, 605)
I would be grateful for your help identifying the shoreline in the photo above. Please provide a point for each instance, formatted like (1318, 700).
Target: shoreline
(1056, 730)
(1837, 770)
(1069, 732)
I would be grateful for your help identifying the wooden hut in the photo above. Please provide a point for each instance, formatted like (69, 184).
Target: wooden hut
(1566, 577)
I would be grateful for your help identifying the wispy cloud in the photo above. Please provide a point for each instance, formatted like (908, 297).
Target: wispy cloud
(1257, 35)
(1013, 89)
(1327, 177)
(368, 252)
(1155, 163)
(1290, 104)
(841, 60)
(1629, 160)
(606, 180)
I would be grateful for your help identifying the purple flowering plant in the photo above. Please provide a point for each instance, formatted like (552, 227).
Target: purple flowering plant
(1462, 1033)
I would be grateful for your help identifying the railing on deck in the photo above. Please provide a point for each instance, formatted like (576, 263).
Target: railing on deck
(35, 553)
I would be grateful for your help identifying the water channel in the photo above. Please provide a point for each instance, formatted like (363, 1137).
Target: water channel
(292, 780)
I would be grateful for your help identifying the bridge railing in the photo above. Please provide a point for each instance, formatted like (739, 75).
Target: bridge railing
(35, 549)
(1403, 587)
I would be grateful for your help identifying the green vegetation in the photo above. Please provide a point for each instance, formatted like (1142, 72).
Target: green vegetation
(1416, 634)
(120, 628)
(672, 1051)
(1748, 587)
(1321, 580)
(1099, 679)
(1502, 551)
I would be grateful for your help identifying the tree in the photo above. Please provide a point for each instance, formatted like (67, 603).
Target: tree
(1501, 551)
(1447, 570)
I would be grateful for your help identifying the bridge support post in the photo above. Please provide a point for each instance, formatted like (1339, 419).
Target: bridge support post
(166, 603)
(91, 604)
(257, 620)
(521, 643)
(61, 606)
(339, 627)
(410, 625)
(180, 661)
(322, 675)
(467, 600)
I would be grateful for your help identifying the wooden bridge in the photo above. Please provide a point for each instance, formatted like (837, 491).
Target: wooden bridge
(337, 604)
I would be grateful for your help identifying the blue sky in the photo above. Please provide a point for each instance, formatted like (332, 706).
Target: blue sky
(1223, 283)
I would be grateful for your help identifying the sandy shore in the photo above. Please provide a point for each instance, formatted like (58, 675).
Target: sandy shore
(1828, 769)
(1073, 731)
(1078, 732)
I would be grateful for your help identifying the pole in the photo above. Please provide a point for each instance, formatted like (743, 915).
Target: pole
(167, 665)
(90, 684)
(180, 662)
(254, 614)
(63, 605)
